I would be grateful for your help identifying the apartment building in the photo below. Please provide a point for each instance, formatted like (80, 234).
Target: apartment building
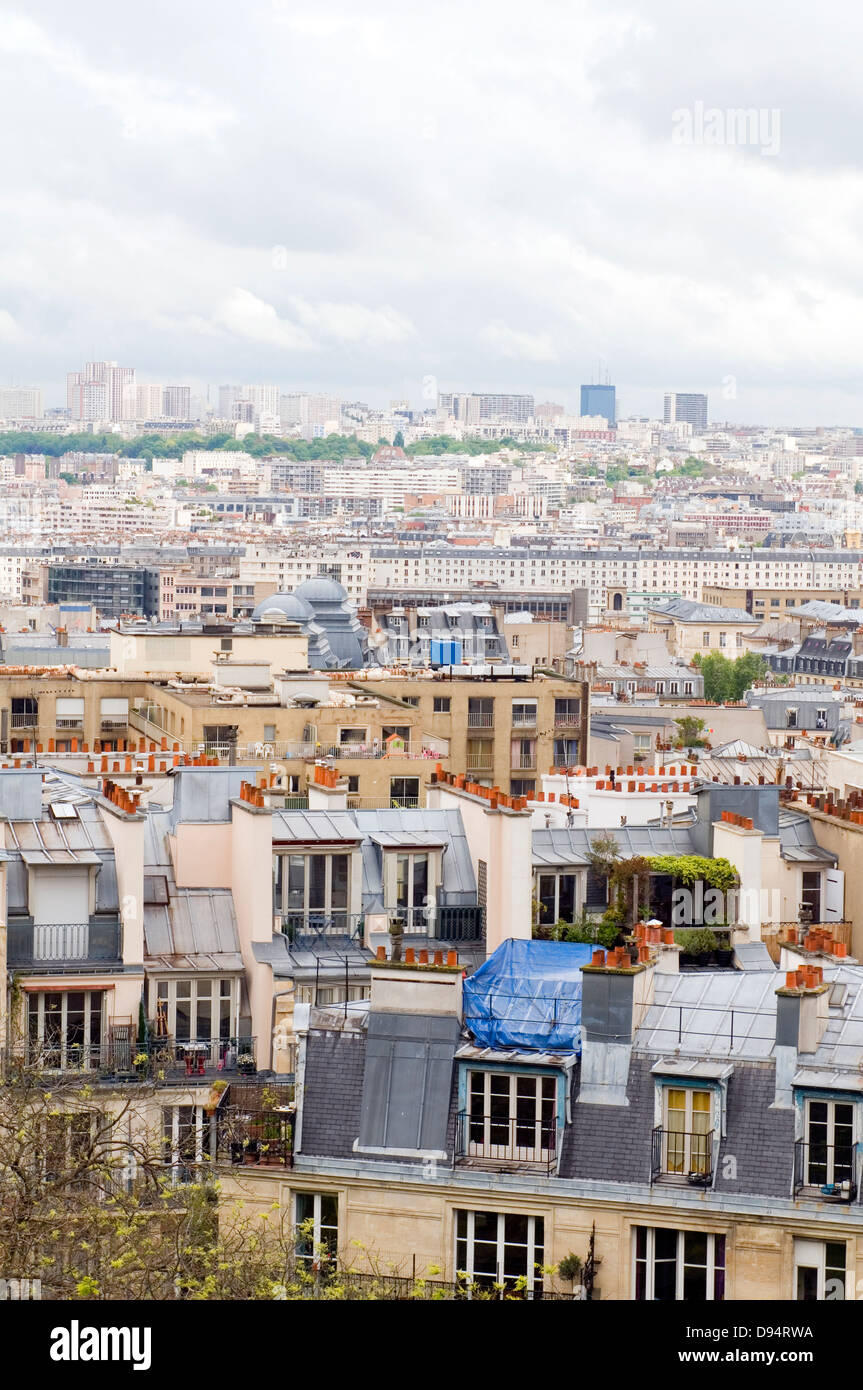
(700, 628)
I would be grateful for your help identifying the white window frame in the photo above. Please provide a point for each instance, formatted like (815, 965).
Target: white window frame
(690, 1150)
(679, 1264)
(557, 875)
(537, 1150)
(204, 1127)
(207, 986)
(532, 1275)
(318, 1229)
(831, 1137)
(327, 909)
(812, 1254)
(94, 1002)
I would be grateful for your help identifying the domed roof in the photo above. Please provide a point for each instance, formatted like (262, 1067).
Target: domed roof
(283, 607)
(321, 590)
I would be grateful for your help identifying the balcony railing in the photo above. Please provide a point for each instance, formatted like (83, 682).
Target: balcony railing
(24, 721)
(62, 944)
(459, 923)
(314, 925)
(174, 1059)
(507, 1140)
(258, 1139)
(481, 762)
(65, 721)
(682, 1156)
(524, 762)
(826, 1170)
(113, 721)
(524, 721)
(567, 721)
(480, 721)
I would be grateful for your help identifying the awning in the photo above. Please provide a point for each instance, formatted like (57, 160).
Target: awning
(701, 1071)
(51, 858)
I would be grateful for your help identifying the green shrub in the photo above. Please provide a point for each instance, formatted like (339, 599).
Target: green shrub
(696, 941)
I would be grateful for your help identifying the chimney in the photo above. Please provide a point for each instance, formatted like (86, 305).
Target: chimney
(615, 996)
(801, 1017)
(433, 990)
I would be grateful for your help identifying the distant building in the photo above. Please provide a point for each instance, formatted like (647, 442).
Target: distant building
(691, 409)
(599, 400)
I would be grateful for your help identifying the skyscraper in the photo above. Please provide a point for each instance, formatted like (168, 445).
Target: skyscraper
(102, 391)
(692, 409)
(597, 399)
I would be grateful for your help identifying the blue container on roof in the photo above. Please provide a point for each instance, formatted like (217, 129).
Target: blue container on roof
(528, 996)
(445, 652)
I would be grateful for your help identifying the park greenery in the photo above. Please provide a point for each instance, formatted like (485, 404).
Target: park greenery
(725, 679)
(173, 445)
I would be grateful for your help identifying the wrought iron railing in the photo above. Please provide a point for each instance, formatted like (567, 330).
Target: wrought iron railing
(59, 943)
(828, 1170)
(316, 924)
(682, 1156)
(169, 1058)
(507, 1140)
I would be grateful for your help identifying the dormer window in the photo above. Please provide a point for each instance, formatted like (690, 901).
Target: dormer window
(683, 1143)
(510, 1116)
(825, 1158)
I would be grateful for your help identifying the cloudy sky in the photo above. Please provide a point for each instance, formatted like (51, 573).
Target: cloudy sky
(374, 198)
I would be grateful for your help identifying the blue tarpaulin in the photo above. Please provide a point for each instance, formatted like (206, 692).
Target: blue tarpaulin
(528, 995)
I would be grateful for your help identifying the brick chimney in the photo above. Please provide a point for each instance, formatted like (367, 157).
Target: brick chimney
(801, 1017)
(615, 996)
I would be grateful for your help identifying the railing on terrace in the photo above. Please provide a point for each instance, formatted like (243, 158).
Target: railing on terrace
(772, 931)
(682, 1156)
(58, 943)
(382, 803)
(826, 1170)
(258, 1138)
(507, 1140)
(315, 925)
(480, 721)
(172, 1059)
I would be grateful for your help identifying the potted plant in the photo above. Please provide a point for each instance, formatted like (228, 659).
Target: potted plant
(141, 1062)
(246, 1064)
(570, 1267)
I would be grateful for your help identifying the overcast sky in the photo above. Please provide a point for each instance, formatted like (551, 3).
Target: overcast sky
(486, 195)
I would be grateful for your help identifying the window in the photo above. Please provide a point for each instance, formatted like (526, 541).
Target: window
(687, 1138)
(829, 1144)
(312, 889)
(522, 786)
(524, 714)
(811, 893)
(511, 1116)
(791, 717)
(493, 1248)
(480, 714)
(404, 791)
(566, 752)
(641, 743)
(412, 700)
(193, 1010)
(557, 898)
(226, 644)
(412, 887)
(678, 1266)
(441, 704)
(722, 637)
(65, 1029)
(819, 1270)
(316, 1221)
(821, 719)
(705, 639)
(567, 711)
(353, 784)
(188, 1139)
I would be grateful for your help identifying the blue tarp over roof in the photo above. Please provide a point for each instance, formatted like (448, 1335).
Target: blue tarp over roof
(528, 995)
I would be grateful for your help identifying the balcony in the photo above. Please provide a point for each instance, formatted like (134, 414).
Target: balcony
(476, 720)
(174, 1060)
(567, 721)
(69, 721)
(827, 1171)
(523, 762)
(56, 946)
(506, 1142)
(682, 1158)
(111, 722)
(524, 721)
(481, 759)
(28, 720)
(318, 925)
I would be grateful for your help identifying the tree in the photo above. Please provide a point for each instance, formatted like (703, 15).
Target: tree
(690, 732)
(729, 680)
(399, 440)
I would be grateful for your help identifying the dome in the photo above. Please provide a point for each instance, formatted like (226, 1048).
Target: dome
(282, 608)
(321, 590)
